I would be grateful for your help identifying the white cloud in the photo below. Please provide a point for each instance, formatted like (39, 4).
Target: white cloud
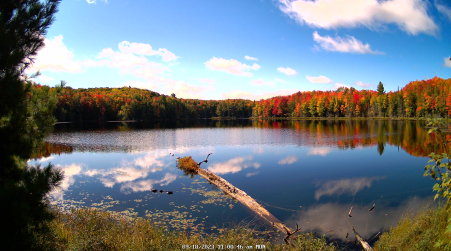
(95, 1)
(446, 11)
(287, 71)
(128, 63)
(261, 82)
(338, 85)
(55, 56)
(139, 84)
(288, 160)
(237, 94)
(206, 80)
(146, 49)
(448, 61)
(184, 90)
(349, 44)
(45, 79)
(364, 85)
(280, 80)
(410, 15)
(320, 151)
(231, 66)
(319, 80)
(131, 59)
(250, 58)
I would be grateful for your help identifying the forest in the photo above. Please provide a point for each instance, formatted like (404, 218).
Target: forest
(417, 99)
(424, 98)
(110, 104)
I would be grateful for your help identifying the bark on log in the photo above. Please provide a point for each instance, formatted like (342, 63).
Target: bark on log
(363, 243)
(242, 197)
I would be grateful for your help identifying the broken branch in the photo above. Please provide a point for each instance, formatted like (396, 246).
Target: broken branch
(205, 160)
(290, 233)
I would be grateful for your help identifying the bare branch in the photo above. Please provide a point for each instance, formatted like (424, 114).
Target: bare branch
(205, 160)
(289, 234)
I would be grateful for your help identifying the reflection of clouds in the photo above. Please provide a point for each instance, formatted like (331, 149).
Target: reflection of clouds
(258, 150)
(288, 160)
(251, 174)
(320, 151)
(333, 219)
(42, 160)
(120, 175)
(339, 187)
(69, 172)
(147, 185)
(134, 169)
(154, 158)
(233, 166)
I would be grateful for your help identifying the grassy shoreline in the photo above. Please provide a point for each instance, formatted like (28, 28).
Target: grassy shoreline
(94, 229)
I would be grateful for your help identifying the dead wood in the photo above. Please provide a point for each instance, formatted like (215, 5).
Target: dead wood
(205, 160)
(362, 243)
(289, 233)
(241, 196)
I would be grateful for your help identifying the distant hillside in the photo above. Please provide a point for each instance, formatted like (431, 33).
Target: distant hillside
(105, 104)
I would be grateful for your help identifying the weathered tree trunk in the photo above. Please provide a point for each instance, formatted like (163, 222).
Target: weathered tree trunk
(363, 243)
(242, 197)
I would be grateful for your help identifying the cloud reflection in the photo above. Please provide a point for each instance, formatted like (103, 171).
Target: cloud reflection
(147, 185)
(288, 160)
(332, 218)
(323, 151)
(233, 166)
(69, 172)
(251, 174)
(350, 186)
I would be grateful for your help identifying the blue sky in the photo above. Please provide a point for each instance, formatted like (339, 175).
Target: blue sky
(249, 49)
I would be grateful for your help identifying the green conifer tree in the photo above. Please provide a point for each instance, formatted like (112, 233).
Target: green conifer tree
(24, 121)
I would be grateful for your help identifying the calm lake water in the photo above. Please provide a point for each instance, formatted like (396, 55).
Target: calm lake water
(305, 172)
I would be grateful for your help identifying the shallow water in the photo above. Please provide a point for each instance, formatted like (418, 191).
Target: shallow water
(306, 172)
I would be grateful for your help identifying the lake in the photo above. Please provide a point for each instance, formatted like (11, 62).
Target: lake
(307, 172)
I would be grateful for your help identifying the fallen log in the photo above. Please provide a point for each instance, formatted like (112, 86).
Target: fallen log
(242, 197)
(362, 243)
(190, 167)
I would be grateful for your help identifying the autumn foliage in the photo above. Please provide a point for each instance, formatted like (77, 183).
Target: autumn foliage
(416, 99)
(108, 104)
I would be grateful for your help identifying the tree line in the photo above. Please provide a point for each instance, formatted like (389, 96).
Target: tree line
(417, 99)
(108, 104)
